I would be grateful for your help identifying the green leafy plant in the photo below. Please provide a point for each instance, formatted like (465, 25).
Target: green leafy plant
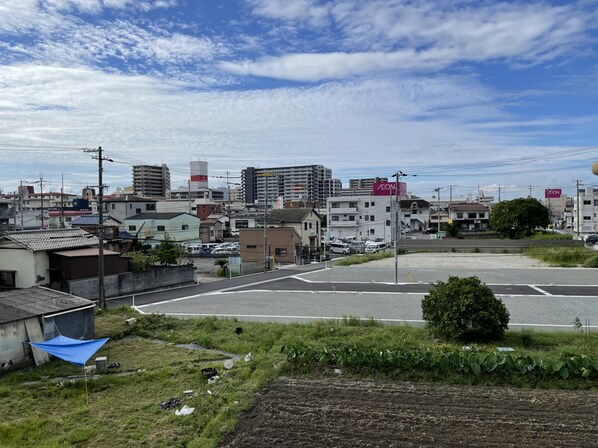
(167, 252)
(464, 308)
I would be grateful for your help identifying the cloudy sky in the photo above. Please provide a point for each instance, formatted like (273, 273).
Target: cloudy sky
(460, 92)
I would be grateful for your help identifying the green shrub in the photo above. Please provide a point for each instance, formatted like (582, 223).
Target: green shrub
(465, 308)
(592, 262)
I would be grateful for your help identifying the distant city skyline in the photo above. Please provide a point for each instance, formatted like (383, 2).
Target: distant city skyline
(468, 94)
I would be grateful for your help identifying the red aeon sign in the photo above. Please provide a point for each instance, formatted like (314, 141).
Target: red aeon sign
(199, 178)
(552, 193)
(389, 188)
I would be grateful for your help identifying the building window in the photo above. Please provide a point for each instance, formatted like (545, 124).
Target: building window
(372, 231)
(132, 227)
(334, 205)
(587, 202)
(388, 223)
(587, 218)
(472, 215)
(280, 251)
(130, 206)
(310, 225)
(351, 218)
(150, 206)
(352, 204)
(459, 215)
(304, 226)
(241, 224)
(367, 204)
(138, 210)
(595, 202)
(367, 217)
(372, 218)
(387, 209)
(160, 228)
(335, 218)
(113, 206)
(185, 227)
(373, 203)
(251, 246)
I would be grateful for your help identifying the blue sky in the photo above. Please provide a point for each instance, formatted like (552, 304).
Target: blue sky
(460, 92)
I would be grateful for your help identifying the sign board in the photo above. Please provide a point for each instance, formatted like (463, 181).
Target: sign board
(552, 193)
(389, 189)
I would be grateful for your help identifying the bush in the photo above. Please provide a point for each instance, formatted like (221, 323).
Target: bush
(465, 308)
(592, 262)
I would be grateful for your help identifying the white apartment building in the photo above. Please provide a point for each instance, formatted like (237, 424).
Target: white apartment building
(361, 217)
(586, 210)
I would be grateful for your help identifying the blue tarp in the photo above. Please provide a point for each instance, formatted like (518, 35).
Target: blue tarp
(71, 350)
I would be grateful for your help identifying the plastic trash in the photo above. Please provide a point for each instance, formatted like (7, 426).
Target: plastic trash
(213, 379)
(228, 364)
(209, 372)
(248, 357)
(185, 410)
(505, 349)
(337, 371)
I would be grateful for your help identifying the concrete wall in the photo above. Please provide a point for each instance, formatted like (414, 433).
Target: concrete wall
(132, 282)
(29, 265)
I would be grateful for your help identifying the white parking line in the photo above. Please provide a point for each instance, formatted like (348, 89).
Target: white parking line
(546, 293)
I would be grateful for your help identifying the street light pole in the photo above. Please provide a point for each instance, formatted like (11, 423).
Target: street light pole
(437, 190)
(397, 226)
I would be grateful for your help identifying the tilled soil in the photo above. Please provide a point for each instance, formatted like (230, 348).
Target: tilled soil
(336, 412)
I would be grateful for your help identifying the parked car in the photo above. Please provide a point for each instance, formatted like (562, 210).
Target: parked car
(430, 230)
(357, 247)
(339, 248)
(372, 247)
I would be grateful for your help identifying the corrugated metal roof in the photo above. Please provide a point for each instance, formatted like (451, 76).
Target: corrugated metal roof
(164, 215)
(129, 198)
(85, 252)
(37, 240)
(20, 304)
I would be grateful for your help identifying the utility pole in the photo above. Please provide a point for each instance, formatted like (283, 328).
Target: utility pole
(100, 159)
(397, 225)
(266, 228)
(437, 190)
(21, 205)
(499, 193)
(41, 187)
(62, 203)
(530, 191)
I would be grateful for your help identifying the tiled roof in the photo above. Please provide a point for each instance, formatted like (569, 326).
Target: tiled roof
(37, 240)
(288, 215)
(90, 220)
(19, 304)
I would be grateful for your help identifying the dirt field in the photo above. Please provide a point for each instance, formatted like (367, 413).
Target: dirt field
(343, 413)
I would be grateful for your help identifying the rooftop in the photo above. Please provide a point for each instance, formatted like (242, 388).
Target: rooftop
(20, 304)
(37, 240)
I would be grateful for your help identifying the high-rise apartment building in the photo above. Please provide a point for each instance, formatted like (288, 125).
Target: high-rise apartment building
(151, 181)
(292, 183)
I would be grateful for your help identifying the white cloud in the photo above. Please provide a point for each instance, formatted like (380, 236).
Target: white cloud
(395, 34)
(412, 123)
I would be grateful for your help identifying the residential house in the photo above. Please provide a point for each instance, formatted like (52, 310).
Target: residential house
(212, 229)
(415, 214)
(152, 228)
(586, 210)
(469, 215)
(123, 207)
(24, 256)
(281, 243)
(38, 314)
(306, 222)
(361, 217)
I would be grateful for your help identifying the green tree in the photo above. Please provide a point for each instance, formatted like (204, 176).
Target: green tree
(464, 308)
(167, 252)
(518, 217)
(140, 261)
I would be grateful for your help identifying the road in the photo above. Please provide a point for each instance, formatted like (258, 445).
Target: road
(547, 298)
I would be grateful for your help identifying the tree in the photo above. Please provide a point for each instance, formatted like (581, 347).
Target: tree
(465, 308)
(518, 217)
(167, 252)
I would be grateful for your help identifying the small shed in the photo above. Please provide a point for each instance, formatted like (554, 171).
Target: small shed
(37, 314)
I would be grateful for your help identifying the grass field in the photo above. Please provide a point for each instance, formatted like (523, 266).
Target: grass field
(565, 256)
(44, 407)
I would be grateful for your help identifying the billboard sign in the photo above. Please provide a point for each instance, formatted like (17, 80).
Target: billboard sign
(552, 193)
(389, 189)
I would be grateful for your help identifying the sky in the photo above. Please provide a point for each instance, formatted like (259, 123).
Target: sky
(461, 95)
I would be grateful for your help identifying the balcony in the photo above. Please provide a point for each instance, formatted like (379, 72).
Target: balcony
(333, 224)
(344, 211)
